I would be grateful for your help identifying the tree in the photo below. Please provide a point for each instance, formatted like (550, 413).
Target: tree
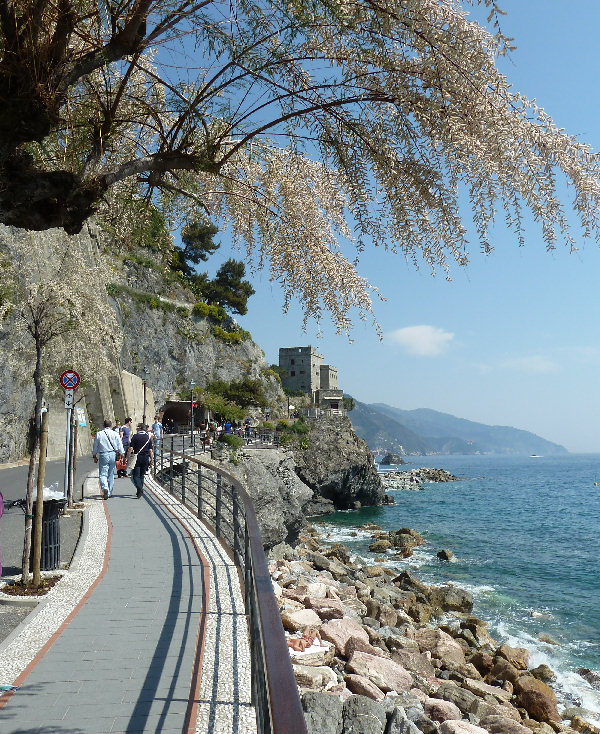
(228, 289)
(244, 393)
(300, 125)
(54, 306)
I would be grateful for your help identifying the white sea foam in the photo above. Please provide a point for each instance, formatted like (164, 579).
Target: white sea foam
(571, 689)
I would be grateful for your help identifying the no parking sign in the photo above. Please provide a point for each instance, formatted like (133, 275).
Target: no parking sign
(69, 380)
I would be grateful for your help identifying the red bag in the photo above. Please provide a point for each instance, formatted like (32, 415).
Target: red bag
(121, 465)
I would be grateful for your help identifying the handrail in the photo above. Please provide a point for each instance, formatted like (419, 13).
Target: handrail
(274, 690)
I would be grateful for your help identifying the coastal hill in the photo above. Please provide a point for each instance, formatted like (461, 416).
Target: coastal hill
(425, 431)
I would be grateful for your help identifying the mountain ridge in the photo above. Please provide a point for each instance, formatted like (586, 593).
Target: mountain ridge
(425, 431)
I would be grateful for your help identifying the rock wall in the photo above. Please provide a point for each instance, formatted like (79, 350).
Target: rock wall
(338, 466)
(173, 347)
(278, 495)
(17, 395)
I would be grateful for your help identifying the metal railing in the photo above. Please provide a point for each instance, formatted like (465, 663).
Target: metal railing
(220, 501)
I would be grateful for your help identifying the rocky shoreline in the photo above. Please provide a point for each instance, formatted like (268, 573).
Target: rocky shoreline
(415, 478)
(400, 657)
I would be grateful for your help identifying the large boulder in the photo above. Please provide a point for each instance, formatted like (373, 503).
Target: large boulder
(537, 698)
(439, 710)
(327, 609)
(299, 619)
(414, 663)
(338, 465)
(439, 644)
(363, 687)
(385, 674)
(460, 727)
(450, 598)
(339, 631)
(503, 725)
(323, 713)
(363, 716)
(316, 677)
(516, 656)
(277, 493)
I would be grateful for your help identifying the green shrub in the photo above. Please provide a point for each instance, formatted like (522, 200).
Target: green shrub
(268, 426)
(283, 425)
(212, 312)
(232, 440)
(229, 337)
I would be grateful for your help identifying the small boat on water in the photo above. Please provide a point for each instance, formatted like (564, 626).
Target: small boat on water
(536, 456)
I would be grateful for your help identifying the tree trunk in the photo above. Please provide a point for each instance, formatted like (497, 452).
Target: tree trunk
(39, 506)
(37, 378)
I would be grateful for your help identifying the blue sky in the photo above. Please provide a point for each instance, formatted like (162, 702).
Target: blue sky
(515, 338)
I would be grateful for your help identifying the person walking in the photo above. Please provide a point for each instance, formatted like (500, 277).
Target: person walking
(107, 447)
(141, 446)
(126, 433)
(157, 430)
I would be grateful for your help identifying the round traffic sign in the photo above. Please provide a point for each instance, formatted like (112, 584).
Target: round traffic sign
(69, 380)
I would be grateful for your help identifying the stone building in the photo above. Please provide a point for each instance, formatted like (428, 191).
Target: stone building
(305, 371)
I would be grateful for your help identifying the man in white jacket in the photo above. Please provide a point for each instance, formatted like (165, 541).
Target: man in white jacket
(107, 449)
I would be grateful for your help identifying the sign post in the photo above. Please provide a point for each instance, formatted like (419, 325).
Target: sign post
(69, 381)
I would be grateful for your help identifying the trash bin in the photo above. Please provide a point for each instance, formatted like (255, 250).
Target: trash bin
(50, 555)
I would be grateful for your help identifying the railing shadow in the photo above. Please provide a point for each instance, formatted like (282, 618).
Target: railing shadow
(222, 504)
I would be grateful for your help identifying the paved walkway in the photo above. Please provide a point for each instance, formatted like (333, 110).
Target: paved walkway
(159, 645)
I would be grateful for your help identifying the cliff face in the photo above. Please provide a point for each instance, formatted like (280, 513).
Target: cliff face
(338, 465)
(172, 343)
(278, 495)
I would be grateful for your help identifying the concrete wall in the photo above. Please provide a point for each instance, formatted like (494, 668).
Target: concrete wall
(57, 428)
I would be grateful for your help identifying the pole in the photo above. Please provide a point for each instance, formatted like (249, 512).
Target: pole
(67, 453)
(39, 503)
(144, 412)
(192, 416)
(71, 461)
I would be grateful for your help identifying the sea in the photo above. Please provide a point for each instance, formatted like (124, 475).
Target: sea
(525, 533)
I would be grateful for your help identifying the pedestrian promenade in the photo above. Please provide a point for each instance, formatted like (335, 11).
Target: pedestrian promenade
(159, 645)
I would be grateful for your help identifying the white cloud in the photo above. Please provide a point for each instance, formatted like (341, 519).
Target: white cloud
(533, 365)
(423, 341)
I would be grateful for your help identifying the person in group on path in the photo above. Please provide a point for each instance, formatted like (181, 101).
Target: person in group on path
(248, 430)
(227, 427)
(107, 447)
(158, 435)
(126, 433)
(141, 445)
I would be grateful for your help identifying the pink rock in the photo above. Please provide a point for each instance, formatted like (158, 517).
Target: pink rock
(363, 687)
(298, 620)
(325, 608)
(385, 674)
(356, 643)
(439, 644)
(503, 725)
(339, 631)
(460, 727)
(439, 710)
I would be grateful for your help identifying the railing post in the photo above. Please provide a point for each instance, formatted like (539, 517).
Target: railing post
(171, 472)
(236, 524)
(183, 476)
(199, 491)
(218, 505)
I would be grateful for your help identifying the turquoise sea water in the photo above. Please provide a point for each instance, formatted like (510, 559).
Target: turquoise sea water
(526, 536)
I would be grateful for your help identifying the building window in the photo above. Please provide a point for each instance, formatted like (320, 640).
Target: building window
(293, 361)
(301, 372)
(293, 373)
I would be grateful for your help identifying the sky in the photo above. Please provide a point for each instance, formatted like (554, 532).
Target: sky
(514, 339)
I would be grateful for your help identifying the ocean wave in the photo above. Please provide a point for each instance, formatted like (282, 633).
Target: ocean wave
(570, 688)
